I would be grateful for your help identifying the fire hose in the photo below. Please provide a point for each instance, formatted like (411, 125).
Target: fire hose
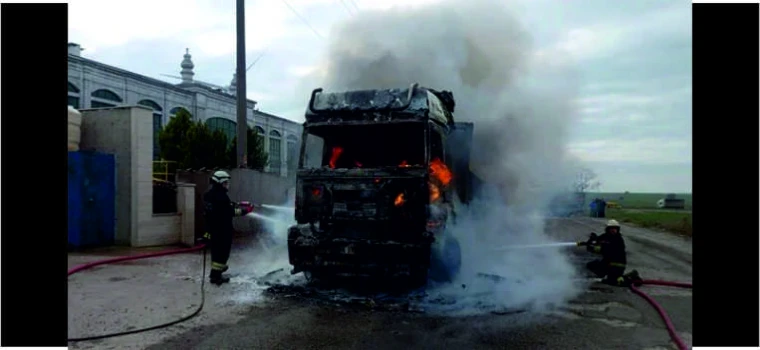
(201, 247)
(634, 285)
(637, 283)
(668, 324)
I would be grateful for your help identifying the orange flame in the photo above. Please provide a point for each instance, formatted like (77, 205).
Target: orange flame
(336, 152)
(435, 192)
(404, 164)
(399, 200)
(432, 224)
(440, 171)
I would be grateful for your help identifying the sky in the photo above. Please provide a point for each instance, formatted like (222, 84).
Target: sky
(633, 59)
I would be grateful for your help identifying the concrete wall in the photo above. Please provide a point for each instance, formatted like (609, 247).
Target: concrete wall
(127, 132)
(186, 208)
(109, 131)
(246, 185)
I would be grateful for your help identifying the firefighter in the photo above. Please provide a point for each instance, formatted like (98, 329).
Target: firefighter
(611, 267)
(219, 213)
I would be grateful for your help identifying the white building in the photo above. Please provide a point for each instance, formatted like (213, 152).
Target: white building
(93, 84)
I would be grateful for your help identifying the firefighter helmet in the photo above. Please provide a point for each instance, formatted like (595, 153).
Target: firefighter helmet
(220, 177)
(613, 223)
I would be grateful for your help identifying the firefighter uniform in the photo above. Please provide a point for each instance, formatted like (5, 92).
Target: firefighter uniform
(220, 210)
(611, 267)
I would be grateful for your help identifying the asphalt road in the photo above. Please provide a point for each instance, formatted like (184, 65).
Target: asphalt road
(242, 316)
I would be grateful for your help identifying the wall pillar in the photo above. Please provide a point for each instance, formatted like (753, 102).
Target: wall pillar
(186, 210)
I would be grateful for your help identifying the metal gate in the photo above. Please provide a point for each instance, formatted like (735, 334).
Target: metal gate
(91, 199)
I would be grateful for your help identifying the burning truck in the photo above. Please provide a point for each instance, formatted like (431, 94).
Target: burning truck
(381, 173)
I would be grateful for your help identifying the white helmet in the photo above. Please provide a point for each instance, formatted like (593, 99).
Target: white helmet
(613, 223)
(220, 177)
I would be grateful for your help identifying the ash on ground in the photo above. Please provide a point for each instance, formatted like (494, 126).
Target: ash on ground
(441, 300)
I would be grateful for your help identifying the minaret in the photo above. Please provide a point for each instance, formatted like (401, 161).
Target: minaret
(233, 84)
(187, 68)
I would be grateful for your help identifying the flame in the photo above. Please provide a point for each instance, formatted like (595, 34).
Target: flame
(432, 224)
(399, 201)
(435, 192)
(336, 152)
(404, 164)
(439, 170)
(358, 165)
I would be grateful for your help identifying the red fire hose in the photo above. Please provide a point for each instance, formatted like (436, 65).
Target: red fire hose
(671, 329)
(90, 265)
(86, 266)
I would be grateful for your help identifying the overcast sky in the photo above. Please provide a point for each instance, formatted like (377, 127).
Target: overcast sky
(634, 59)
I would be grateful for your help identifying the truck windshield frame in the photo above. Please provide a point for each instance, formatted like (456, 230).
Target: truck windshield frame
(369, 146)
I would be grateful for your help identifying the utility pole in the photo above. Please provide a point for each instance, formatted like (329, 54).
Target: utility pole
(242, 101)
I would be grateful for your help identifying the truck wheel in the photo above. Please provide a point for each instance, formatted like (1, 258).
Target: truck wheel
(446, 261)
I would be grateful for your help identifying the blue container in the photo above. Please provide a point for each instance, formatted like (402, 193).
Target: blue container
(92, 199)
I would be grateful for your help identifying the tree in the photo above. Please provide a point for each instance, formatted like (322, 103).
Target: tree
(206, 149)
(586, 180)
(192, 144)
(172, 138)
(257, 155)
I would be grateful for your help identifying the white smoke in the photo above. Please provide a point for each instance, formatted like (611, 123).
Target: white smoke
(270, 252)
(521, 104)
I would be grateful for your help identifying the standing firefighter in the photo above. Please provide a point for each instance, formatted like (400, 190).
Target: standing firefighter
(611, 267)
(219, 213)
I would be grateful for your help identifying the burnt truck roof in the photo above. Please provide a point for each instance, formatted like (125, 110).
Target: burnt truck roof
(381, 105)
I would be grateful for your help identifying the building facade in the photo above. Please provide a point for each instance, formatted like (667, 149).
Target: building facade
(92, 84)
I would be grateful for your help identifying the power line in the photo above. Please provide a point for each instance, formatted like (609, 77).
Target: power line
(355, 5)
(257, 59)
(302, 19)
(348, 9)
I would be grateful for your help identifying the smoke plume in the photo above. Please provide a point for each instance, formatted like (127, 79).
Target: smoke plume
(520, 102)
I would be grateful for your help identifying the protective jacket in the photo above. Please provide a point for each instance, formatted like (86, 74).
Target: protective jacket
(612, 249)
(219, 211)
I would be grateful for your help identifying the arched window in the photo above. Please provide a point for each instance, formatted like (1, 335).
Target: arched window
(228, 127)
(292, 153)
(73, 96)
(176, 110)
(275, 151)
(259, 130)
(158, 116)
(104, 98)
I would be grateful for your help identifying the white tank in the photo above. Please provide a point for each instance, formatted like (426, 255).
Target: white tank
(75, 124)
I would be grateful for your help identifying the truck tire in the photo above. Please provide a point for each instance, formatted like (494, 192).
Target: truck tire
(446, 261)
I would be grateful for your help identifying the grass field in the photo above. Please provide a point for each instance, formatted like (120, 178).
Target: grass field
(635, 200)
(640, 209)
(678, 222)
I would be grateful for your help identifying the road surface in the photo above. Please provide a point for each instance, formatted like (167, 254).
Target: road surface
(242, 315)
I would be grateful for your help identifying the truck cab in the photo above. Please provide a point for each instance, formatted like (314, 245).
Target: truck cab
(377, 184)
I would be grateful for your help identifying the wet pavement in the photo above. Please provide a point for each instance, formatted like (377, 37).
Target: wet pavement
(264, 307)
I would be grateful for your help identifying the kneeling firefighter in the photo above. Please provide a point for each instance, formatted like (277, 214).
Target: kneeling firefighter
(219, 211)
(611, 267)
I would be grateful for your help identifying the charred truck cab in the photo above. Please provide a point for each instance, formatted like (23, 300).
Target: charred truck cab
(377, 183)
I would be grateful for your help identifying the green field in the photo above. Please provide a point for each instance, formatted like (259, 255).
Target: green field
(679, 222)
(640, 209)
(635, 200)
